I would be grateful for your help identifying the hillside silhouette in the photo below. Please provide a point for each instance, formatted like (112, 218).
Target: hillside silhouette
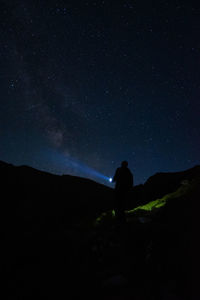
(60, 238)
(36, 192)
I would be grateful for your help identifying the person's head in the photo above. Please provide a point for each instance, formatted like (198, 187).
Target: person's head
(124, 164)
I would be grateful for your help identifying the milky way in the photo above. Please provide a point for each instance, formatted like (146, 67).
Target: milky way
(99, 82)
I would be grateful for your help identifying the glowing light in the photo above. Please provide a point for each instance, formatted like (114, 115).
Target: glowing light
(76, 167)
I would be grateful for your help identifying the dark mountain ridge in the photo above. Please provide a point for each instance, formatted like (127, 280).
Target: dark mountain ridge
(42, 193)
(26, 175)
(75, 196)
(161, 184)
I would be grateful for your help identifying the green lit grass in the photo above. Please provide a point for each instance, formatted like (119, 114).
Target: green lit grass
(106, 216)
(158, 203)
(149, 207)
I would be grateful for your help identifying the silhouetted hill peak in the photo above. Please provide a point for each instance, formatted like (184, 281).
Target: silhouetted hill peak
(41, 193)
(161, 184)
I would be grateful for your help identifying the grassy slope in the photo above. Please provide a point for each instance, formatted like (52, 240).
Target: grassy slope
(151, 207)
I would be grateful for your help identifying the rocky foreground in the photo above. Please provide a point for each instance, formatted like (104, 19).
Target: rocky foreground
(155, 255)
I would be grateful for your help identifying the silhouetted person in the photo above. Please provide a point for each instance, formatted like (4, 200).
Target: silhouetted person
(123, 179)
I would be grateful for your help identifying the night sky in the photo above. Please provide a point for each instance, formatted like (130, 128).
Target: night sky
(87, 84)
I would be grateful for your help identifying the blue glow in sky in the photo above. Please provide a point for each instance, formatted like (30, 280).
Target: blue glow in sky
(68, 165)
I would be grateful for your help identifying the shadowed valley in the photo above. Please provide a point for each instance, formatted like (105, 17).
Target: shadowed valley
(60, 237)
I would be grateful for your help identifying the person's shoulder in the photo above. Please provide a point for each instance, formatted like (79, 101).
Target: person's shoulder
(130, 171)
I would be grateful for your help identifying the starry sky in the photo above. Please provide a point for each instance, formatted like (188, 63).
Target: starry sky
(87, 84)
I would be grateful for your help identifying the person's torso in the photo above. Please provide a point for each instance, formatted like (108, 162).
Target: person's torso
(124, 178)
